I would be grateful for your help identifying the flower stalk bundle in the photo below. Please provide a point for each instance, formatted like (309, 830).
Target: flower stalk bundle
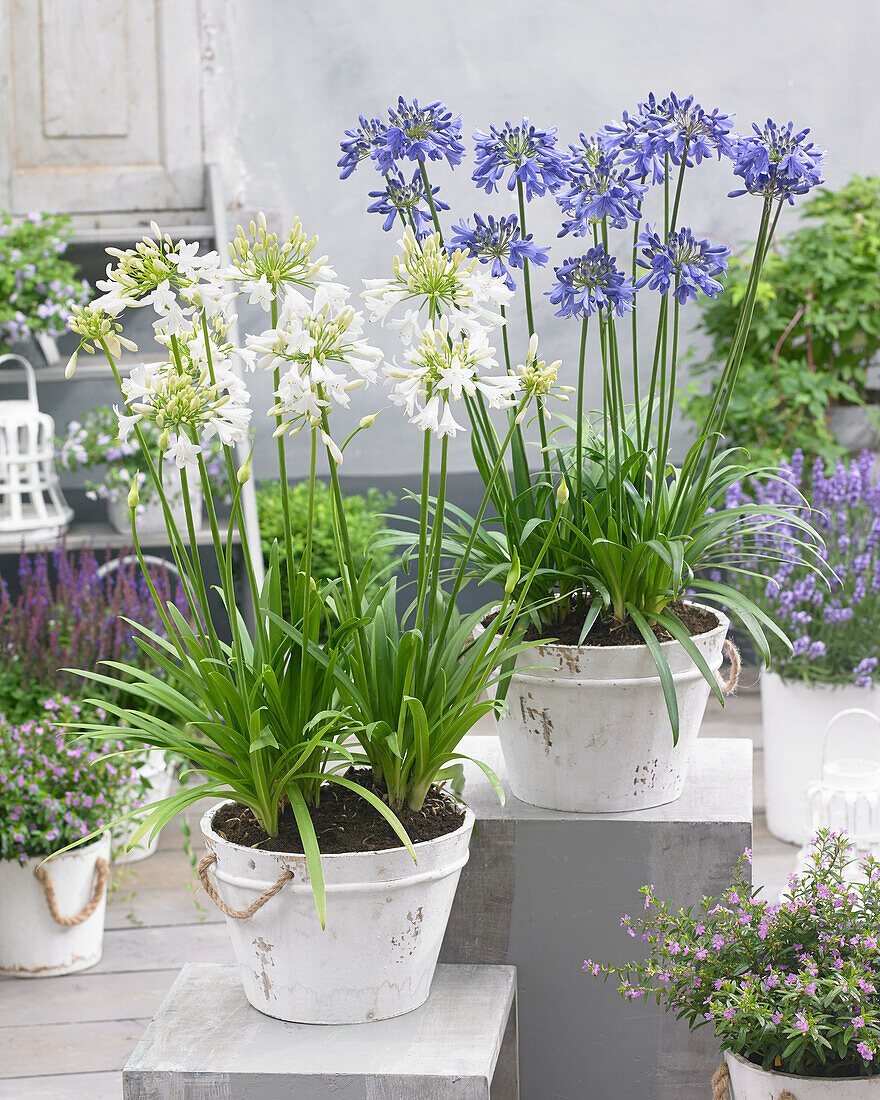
(637, 527)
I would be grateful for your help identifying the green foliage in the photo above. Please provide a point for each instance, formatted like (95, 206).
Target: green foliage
(815, 328)
(37, 286)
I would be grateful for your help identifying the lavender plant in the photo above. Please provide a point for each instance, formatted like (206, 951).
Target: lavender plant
(54, 791)
(834, 621)
(792, 986)
(38, 288)
(635, 534)
(66, 615)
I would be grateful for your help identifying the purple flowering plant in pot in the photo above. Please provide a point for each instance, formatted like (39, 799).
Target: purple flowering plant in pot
(54, 792)
(607, 601)
(834, 621)
(790, 989)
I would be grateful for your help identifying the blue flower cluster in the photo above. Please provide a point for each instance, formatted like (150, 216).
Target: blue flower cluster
(591, 283)
(596, 189)
(407, 200)
(683, 262)
(776, 162)
(526, 152)
(835, 629)
(499, 243)
(419, 134)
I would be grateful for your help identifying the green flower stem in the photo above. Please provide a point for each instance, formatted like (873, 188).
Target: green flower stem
(305, 716)
(196, 558)
(579, 472)
(519, 444)
(679, 185)
(645, 440)
(527, 284)
(635, 331)
(282, 467)
(665, 423)
(435, 548)
(423, 526)
(430, 198)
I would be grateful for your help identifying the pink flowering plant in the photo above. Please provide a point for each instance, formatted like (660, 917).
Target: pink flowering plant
(54, 791)
(792, 986)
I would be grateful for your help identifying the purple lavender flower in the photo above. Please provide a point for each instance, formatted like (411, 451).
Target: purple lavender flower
(776, 162)
(418, 134)
(499, 243)
(591, 283)
(407, 201)
(596, 189)
(683, 263)
(523, 153)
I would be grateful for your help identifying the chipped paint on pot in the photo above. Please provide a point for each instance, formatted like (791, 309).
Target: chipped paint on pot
(750, 1082)
(32, 945)
(386, 918)
(588, 731)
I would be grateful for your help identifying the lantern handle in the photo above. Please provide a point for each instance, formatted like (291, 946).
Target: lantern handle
(848, 712)
(30, 374)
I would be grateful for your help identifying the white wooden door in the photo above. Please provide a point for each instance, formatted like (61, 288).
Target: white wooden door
(100, 105)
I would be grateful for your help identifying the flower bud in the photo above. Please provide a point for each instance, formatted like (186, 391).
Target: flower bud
(164, 441)
(244, 474)
(368, 421)
(71, 365)
(562, 493)
(512, 575)
(133, 496)
(533, 346)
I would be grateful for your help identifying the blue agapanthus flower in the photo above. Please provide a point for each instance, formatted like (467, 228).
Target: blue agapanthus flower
(419, 134)
(683, 262)
(525, 152)
(590, 283)
(776, 162)
(498, 242)
(597, 189)
(406, 200)
(674, 126)
(358, 144)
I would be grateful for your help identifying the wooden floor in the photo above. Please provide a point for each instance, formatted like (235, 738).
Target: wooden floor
(68, 1038)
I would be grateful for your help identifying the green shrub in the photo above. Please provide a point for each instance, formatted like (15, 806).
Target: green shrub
(815, 329)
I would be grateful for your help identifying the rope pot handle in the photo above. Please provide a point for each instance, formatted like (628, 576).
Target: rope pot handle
(205, 864)
(730, 651)
(43, 876)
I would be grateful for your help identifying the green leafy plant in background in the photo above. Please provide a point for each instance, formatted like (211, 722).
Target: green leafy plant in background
(38, 287)
(815, 328)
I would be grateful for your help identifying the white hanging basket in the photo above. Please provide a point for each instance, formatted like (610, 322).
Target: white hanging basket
(32, 507)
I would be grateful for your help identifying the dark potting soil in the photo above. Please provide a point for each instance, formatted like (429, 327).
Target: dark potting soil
(344, 821)
(611, 632)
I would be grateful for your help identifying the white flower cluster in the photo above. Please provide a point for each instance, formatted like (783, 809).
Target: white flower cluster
(319, 346)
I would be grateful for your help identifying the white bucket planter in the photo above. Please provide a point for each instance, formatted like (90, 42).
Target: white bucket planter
(150, 517)
(794, 717)
(386, 918)
(33, 942)
(750, 1082)
(590, 733)
(160, 777)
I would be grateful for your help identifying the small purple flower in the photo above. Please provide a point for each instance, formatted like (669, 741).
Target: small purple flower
(499, 243)
(596, 189)
(589, 284)
(523, 153)
(358, 145)
(865, 1051)
(776, 162)
(683, 263)
(406, 200)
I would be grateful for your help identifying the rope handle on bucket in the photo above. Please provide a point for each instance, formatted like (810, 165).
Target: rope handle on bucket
(721, 1085)
(205, 864)
(731, 652)
(847, 713)
(42, 875)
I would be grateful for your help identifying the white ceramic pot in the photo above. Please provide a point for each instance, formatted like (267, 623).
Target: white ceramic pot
(151, 518)
(794, 717)
(386, 918)
(590, 732)
(750, 1082)
(32, 943)
(160, 777)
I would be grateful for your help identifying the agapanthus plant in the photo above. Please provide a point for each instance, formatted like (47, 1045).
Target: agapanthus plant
(331, 674)
(790, 986)
(834, 622)
(635, 534)
(55, 790)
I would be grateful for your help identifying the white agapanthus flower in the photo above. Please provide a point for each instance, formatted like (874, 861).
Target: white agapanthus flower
(267, 269)
(318, 345)
(439, 371)
(435, 283)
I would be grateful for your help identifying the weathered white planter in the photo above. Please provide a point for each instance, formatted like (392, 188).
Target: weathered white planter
(151, 518)
(386, 917)
(590, 732)
(750, 1082)
(794, 717)
(32, 943)
(160, 777)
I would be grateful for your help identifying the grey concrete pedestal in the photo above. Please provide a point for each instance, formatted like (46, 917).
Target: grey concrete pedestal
(207, 1043)
(544, 890)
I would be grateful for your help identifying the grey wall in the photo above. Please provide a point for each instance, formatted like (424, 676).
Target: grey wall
(285, 78)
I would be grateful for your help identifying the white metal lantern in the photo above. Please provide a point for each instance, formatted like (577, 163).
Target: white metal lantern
(847, 796)
(32, 507)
